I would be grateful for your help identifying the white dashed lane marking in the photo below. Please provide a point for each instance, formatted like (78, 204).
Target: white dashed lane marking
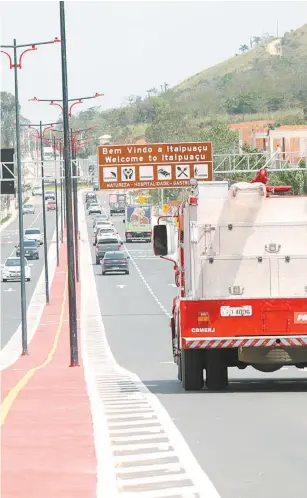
(133, 258)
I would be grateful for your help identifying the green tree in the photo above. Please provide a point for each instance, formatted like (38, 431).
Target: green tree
(7, 105)
(246, 103)
(8, 117)
(243, 48)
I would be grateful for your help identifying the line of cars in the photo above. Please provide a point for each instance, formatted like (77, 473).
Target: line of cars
(33, 239)
(49, 198)
(109, 252)
(11, 270)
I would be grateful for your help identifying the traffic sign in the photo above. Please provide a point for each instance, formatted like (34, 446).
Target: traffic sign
(7, 171)
(168, 165)
(165, 208)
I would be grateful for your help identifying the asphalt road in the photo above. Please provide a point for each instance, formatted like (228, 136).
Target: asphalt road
(10, 291)
(250, 440)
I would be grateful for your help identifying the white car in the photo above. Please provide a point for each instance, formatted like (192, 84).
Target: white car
(28, 209)
(37, 191)
(11, 270)
(110, 236)
(108, 231)
(103, 224)
(94, 208)
(34, 234)
(100, 217)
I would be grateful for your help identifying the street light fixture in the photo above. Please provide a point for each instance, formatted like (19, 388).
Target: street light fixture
(75, 101)
(40, 135)
(59, 103)
(74, 151)
(17, 64)
(75, 183)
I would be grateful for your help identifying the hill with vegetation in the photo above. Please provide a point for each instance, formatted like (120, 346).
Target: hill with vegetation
(269, 76)
(265, 80)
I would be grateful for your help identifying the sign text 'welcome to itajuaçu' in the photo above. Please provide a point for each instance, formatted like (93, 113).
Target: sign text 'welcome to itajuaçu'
(154, 165)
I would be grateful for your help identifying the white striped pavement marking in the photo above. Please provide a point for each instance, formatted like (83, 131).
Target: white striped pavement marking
(105, 381)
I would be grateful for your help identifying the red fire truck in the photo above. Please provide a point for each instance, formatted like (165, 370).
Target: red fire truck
(240, 261)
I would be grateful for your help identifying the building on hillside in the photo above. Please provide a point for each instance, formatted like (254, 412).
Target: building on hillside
(288, 142)
(246, 130)
(104, 139)
(140, 141)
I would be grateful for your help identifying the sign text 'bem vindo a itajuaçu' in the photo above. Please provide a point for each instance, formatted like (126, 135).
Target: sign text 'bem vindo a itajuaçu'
(154, 165)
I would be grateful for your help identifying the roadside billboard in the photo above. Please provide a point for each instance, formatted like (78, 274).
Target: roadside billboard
(138, 218)
(165, 165)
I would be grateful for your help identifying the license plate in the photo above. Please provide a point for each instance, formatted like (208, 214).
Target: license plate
(236, 311)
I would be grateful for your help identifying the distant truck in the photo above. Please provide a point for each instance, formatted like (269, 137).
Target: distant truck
(138, 223)
(117, 203)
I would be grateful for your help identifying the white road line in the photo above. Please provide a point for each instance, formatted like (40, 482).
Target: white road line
(147, 284)
(106, 381)
(29, 226)
(143, 437)
(151, 468)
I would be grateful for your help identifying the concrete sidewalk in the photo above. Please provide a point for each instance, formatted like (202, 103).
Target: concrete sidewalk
(47, 437)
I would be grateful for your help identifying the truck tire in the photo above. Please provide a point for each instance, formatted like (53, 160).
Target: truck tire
(179, 369)
(192, 369)
(216, 371)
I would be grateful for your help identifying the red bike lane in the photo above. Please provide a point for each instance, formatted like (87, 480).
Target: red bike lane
(47, 442)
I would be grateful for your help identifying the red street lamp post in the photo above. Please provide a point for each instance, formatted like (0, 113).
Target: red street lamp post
(43, 128)
(59, 102)
(16, 63)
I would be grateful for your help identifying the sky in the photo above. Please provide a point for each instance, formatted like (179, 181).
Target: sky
(124, 48)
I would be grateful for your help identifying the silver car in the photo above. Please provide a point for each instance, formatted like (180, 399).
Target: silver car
(28, 209)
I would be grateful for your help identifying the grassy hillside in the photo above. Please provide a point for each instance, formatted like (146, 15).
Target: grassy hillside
(248, 87)
(253, 82)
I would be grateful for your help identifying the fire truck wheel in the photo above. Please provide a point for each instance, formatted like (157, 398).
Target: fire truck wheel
(192, 369)
(179, 369)
(216, 371)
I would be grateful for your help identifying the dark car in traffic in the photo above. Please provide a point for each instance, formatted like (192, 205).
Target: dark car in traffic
(90, 195)
(90, 201)
(49, 194)
(30, 248)
(104, 245)
(115, 262)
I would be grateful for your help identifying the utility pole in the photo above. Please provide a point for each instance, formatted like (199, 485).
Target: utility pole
(74, 357)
